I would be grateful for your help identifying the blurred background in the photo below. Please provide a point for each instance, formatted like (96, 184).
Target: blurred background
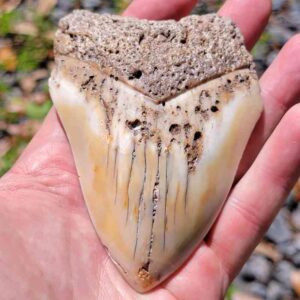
(26, 59)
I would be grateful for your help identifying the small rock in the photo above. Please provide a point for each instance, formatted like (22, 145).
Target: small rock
(288, 249)
(296, 260)
(279, 35)
(282, 273)
(271, 57)
(257, 289)
(91, 4)
(57, 14)
(280, 230)
(257, 268)
(66, 5)
(278, 4)
(276, 291)
(268, 250)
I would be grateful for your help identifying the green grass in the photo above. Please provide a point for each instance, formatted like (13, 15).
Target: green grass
(38, 111)
(9, 158)
(230, 292)
(7, 20)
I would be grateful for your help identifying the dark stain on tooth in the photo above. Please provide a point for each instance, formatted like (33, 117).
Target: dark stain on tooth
(134, 125)
(214, 108)
(197, 135)
(175, 129)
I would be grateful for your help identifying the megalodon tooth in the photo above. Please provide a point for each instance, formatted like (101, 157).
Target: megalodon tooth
(158, 114)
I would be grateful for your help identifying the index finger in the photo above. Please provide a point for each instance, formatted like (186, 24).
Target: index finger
(250, 16)
(159, 10)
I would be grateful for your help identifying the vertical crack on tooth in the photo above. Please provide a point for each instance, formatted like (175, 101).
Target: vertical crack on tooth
(155, 203)
(133, 154)
(176, 199)
(141, 199)
(116, 172)
(186, 192)
(166, 199)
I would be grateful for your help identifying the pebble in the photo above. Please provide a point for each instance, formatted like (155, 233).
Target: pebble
(257, 289)
(91, 4)
(288, 249)
(280, 230)
(278, 4)
(276, 291)
(257, 268)
(282, 273)
(66, 5)
(271, 57)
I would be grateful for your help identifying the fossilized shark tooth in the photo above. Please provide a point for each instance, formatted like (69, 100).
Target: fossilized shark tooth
(158, 115)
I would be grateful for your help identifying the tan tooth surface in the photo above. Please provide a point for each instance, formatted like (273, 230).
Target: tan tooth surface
(156, 154)
(148, 207)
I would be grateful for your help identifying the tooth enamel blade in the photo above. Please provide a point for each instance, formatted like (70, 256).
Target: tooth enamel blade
(158, 115)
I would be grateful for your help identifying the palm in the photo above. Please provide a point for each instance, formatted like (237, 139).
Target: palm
(49, 247)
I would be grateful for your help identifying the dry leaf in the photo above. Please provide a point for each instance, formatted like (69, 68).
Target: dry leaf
(40, 74)
(8, 5)
(27, 84)
(26, 28)
(25, 129)
(243, 296)
(5, 144)
(39, 97)
(16, 105)
(8, 58)
(45, 6)
(268, 250)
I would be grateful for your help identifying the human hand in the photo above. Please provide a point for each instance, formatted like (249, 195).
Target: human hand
(48, 246)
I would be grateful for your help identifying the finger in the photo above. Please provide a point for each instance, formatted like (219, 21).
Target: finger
(259, 195)
(250, 16)
(159, 10)
(280, 90)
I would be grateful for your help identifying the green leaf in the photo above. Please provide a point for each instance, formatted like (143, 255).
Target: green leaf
(37, 111)
(43, 24)
(8, 117)
(4, 87)
(7, 20)
(230, 292)
(8, 159)
(33, 52)
(120, 5)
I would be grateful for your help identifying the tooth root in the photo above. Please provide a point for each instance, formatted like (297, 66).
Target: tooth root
(154, 172)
